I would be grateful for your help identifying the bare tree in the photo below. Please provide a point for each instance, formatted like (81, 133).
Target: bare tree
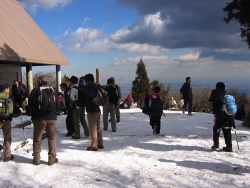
(201, 97)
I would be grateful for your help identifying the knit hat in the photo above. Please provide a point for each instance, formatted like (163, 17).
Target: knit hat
(3, 86)
(73, 79)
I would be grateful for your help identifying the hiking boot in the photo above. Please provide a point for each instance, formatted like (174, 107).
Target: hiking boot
(69, 134)
(113, 130)
(75, 137)
(215, 147)
(118, 119)
(11, 157)
(154, 129)
(52, 160)
(100, 147)
(105, 129)
(227, 149)
(36, 160)
(90, 148)
(190, 114)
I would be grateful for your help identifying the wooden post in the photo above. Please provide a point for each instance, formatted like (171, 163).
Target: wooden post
(29, 78)
(98, 81)
(58, 77)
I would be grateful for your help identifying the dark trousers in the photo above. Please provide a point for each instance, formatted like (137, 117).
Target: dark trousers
(226, 132)
(70, 122)
(188, 102)
(18, 100)
(156, 121)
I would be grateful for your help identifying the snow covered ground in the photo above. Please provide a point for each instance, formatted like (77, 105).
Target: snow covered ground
(133, 157)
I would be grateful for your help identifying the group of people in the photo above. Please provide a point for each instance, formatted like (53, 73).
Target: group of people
(79, 97)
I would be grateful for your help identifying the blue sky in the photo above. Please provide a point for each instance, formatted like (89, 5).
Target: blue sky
(175, 39)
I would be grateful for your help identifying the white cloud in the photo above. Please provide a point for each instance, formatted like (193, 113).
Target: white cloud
(47, 4)
(139, 48)
(152, 22)
(189, 57)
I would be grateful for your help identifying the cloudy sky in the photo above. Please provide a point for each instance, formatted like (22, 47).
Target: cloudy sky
(175, 39)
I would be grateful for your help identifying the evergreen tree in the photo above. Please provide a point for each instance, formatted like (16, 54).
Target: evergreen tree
(141, 82)
(164, 93)
(239, 10)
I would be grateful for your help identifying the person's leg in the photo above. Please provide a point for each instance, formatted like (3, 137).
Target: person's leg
(7, 138)
(70, 123)
(190, 106)
(112, 114)
(51, 136)
(99, 130)
(105, 117)
(93, 130)
(184, 107)
(76, 119)
(38, 130)
(158, 124)
(83, 122)
(228, 139)
(117, 113)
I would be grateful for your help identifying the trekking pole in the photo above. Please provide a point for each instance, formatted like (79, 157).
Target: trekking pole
(237, 140)
(25, 139)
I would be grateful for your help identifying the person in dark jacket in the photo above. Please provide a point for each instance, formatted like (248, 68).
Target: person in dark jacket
(5, 124)
(222, 120)
(147, 96)
(93, 112)
(18, 93)
(187, 93)
(111, 106)
(43, 120)
(69, 119)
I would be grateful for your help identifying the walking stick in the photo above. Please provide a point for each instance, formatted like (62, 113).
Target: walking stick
(237, 140)
(25, 139)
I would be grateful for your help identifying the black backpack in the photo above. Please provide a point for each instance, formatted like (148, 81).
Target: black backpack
(81, 102)
(157, 106)
(46, 98)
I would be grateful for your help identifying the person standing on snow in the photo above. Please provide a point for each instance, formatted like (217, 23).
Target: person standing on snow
(186, 91)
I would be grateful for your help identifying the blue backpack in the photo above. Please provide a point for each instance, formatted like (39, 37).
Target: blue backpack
(229, 105)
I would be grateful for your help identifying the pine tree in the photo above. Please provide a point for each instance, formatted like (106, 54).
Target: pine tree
(141, 82)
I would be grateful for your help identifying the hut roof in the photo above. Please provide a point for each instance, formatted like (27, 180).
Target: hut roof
(22, 40)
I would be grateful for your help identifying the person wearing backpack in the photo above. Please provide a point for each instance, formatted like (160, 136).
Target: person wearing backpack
(156, 110)
(111, 106)
(6, 109)
(44, 103)
(222, 120)
(187, 95)
(93, 112)
(78, 109)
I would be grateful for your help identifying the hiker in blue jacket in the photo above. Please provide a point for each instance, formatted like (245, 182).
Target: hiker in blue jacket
(93, 112)
(222, 121)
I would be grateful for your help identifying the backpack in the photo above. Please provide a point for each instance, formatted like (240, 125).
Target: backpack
(102, 97)
(46, 98)
(157, 106)
(6, 105)
(81, 102)
(229, 105)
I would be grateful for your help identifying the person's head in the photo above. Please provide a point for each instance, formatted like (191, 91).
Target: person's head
(41, 81)
(5, 87)
(157, 89)
(64, 87)
(81, 79)
(73, 80)
(220, 85)
(189, 79)
(16, 82)
(112, 79)
(89, 79)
